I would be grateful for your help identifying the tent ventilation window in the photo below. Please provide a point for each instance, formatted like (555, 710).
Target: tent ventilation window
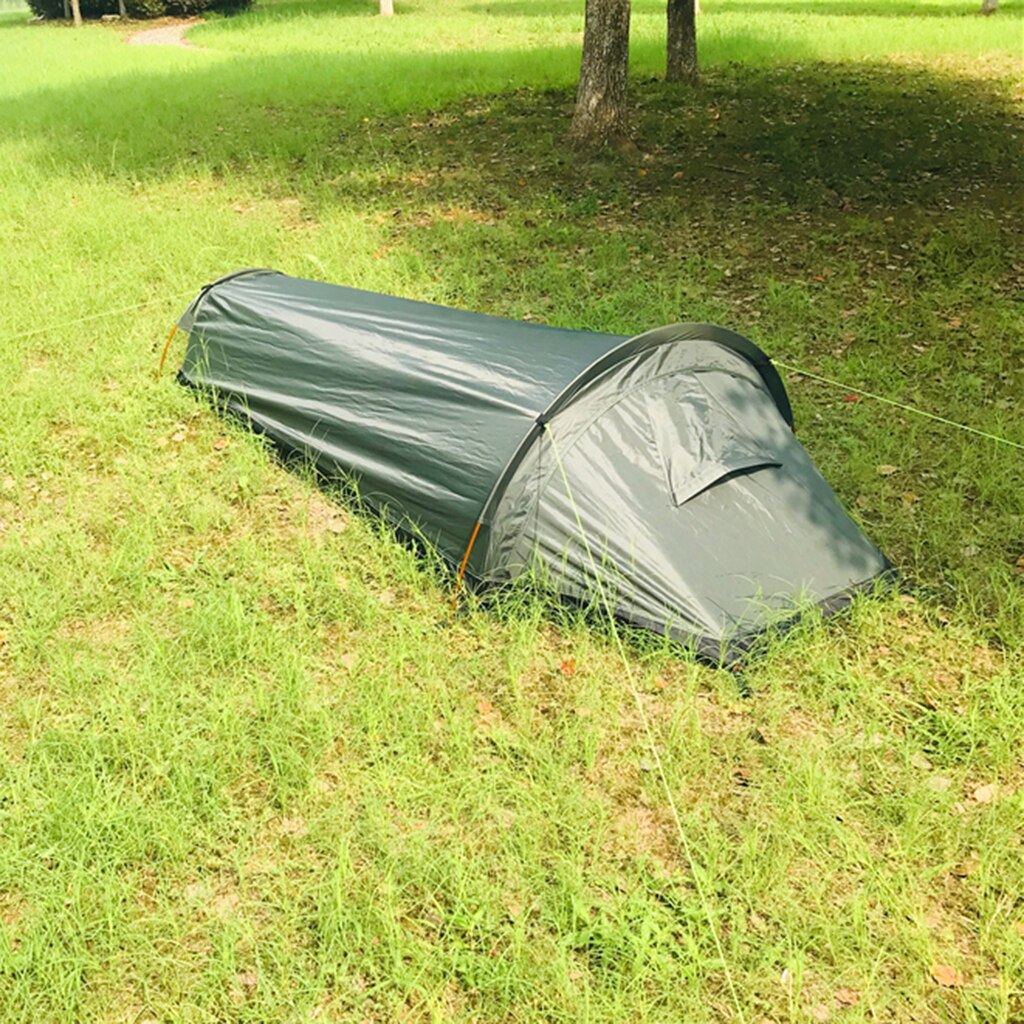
(698, 441)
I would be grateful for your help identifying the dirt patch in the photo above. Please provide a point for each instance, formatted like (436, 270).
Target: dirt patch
(172, 34)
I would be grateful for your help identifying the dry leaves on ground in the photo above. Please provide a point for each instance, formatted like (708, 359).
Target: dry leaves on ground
(947, 976)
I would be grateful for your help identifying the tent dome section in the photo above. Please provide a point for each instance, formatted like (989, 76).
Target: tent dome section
(674, 481)
(423, 405)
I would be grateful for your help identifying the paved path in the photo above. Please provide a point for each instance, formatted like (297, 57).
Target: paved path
(166, 35)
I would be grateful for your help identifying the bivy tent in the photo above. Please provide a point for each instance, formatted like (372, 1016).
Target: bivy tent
(658, 473)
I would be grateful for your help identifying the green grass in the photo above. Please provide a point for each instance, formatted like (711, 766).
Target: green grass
(249, 773)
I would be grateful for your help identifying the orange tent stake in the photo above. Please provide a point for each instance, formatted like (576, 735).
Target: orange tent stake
(462, 568)
(167, 347)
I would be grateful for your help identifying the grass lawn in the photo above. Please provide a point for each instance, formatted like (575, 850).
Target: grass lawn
(248, 773)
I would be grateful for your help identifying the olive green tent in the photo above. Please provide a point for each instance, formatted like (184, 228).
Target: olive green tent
(659, 471)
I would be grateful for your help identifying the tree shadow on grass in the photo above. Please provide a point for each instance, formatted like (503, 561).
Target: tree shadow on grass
(878, 134)
(824, 8)
(860, 8)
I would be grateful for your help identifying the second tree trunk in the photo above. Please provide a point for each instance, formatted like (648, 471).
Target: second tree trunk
(681, 60)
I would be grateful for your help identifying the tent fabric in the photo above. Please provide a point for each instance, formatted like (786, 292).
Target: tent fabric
(660, 471)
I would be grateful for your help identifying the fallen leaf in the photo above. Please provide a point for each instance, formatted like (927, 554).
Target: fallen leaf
(568, 667)
(220, 444)
(247, 979)
(947, 976)
(1019, 564)
(851, 398)
(847, 313)
(348, 659)
(939, 783)
(919, 761)
(178, 435)
(910, 498)
(955, 323)
(484, 708)
(886, 470)
(1018, 927)
(847, 996)
(820, 1013)
(985, 794)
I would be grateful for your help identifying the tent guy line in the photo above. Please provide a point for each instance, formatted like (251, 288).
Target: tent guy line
(900, 405)
(94, 316)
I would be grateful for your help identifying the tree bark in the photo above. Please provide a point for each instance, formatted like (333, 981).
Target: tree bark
(387, 8)
(681, 55)
(600, 115)
(76, 12)
(989, 6)
(122, 11)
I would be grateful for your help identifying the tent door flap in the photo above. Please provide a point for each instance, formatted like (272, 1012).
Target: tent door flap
(698, 441)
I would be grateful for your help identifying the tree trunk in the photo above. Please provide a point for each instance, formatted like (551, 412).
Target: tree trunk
(989, 6)
(387, 8)
(122, 11)
(681, 58)
(600, 115)
(76, 12)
